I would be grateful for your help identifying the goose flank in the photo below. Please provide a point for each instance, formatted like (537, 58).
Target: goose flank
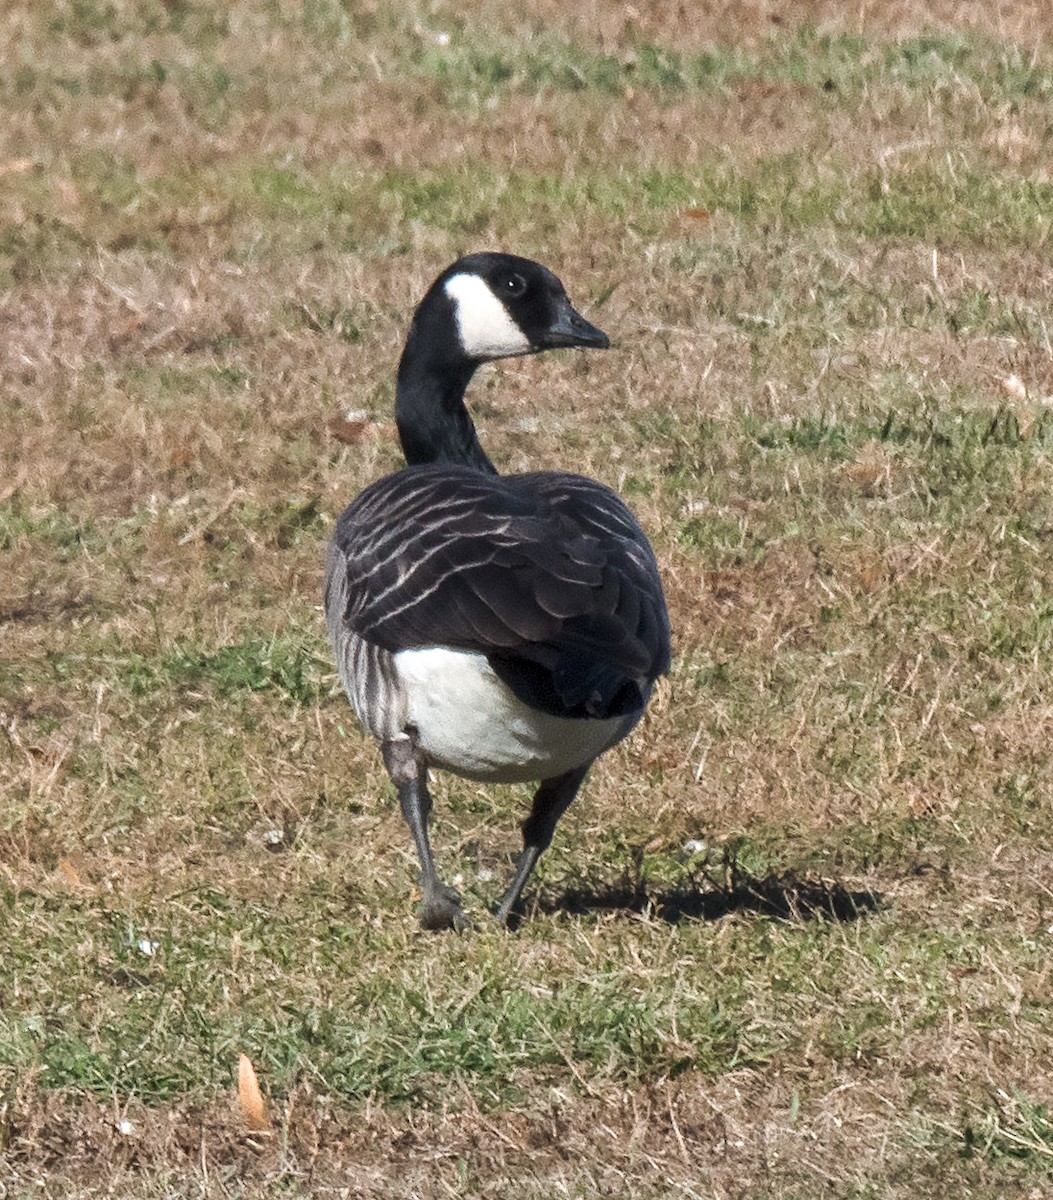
(503, 627)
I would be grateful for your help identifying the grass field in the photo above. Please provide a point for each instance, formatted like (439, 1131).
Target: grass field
(795, 938)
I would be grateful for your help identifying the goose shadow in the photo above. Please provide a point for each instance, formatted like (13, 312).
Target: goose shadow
(785, 895)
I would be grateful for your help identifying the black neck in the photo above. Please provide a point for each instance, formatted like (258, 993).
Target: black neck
(433, 423)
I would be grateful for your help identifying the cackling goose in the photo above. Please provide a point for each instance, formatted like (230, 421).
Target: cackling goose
(503, 627)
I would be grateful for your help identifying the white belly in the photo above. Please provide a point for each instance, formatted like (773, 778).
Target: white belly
(467, 720)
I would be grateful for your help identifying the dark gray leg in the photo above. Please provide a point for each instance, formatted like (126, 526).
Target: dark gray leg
(551, 801)
(441, 907)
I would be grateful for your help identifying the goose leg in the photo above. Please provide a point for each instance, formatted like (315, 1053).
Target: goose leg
(441, 906)
(551, 801)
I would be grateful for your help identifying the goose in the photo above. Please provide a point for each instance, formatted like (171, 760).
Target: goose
(506, 628)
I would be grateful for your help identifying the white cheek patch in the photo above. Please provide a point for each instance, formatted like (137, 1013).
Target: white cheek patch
(483, 324)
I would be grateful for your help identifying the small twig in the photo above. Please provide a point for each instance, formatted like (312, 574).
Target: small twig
(679, 1136)
(589, 1089)
(212, 518)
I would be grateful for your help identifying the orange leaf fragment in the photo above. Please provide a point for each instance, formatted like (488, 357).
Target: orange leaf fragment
(354, 429)
(250, 1097)
(70, 874)
(180, 458)
(348, 432)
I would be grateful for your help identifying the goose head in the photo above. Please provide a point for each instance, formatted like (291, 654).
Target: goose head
(482, 307)
(501, 306)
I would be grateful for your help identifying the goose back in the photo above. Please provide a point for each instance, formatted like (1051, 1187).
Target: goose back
(547, 574)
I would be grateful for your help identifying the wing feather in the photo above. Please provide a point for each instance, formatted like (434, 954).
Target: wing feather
(548, 574)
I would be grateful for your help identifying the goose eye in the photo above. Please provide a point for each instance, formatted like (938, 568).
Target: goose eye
(514, 286)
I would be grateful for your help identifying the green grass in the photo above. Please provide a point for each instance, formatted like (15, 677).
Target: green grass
(958, 205)
(836, 65)
(154, 972)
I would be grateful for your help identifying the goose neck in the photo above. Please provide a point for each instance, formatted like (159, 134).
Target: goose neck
(433, 423)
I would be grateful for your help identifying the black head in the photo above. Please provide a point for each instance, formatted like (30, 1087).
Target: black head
(483, 306)
(503, 305)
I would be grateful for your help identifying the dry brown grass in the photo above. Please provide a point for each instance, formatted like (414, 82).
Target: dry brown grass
(829, 406)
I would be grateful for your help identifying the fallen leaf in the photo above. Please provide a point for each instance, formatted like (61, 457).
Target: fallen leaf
(352, 431)
(180, 458)
(348, 432)
(250, 1097)
(71, 874)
